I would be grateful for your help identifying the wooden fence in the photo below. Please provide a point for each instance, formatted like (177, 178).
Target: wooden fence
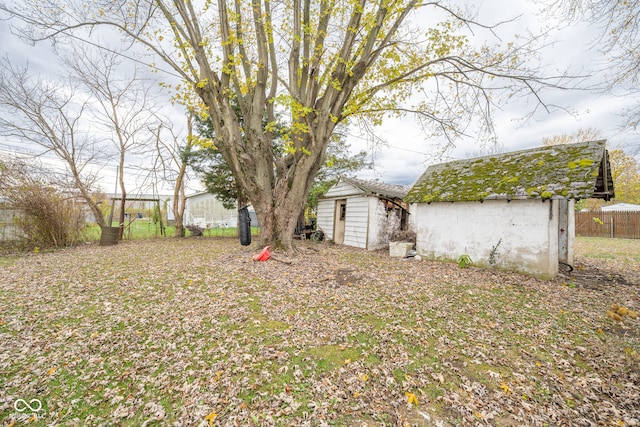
(622, 224)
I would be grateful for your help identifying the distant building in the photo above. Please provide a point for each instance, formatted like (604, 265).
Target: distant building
(206, 211)
(621, 207)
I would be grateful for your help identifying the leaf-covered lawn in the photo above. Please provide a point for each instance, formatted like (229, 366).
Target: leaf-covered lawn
(193, 332)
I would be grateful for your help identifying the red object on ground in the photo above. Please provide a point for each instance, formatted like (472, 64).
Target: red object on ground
(263, 255)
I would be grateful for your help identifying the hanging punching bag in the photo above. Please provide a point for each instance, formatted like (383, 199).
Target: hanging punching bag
(244, 224)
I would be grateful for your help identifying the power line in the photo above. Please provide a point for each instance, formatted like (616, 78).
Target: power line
(387, 144)
(28, 22)
(170, 73)
(132, 171)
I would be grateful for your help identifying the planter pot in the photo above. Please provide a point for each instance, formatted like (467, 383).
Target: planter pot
(109, 236)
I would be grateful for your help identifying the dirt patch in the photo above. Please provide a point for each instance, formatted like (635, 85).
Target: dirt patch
(588, 275)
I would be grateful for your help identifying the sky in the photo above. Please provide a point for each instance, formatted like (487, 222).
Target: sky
(404, 152)
(408, 152)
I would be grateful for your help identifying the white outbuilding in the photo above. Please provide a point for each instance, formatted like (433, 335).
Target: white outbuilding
(360, 213)
(513, 210)
(206, 211)
(621, 207)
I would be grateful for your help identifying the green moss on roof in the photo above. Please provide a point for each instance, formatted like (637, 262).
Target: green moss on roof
(561, 171)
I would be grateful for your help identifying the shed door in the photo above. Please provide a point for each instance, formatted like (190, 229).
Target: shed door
(563, 225)
(339, 221)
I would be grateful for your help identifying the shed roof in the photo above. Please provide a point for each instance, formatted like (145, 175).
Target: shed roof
(378, 188)
(571, 171)
(623, 207)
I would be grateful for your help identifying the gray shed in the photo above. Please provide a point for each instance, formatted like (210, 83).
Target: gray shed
(357, 212)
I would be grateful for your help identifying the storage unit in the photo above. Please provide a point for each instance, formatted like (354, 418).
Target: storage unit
(514, 210)
(358, 213)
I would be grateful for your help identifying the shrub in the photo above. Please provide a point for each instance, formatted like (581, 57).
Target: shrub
(47, 216)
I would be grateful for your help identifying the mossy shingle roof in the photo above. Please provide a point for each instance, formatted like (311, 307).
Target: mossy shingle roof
(571, 171)
(378, 188)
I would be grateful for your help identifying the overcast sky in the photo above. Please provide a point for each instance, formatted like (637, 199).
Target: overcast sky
(406, 152)
(409, 153)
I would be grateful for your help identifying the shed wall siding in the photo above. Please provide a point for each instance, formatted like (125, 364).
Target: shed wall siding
(326, 209)
(355, 232)
(528, 229)
(341, 190)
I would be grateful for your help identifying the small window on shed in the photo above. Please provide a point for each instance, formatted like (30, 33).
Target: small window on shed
(343, 211)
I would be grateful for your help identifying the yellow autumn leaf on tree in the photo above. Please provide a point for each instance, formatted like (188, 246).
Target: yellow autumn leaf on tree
(212, 416)
(411, 398)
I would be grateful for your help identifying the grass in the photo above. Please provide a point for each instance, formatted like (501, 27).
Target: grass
(6, 261)
(143, 229)
(171, 330)
(625, 250)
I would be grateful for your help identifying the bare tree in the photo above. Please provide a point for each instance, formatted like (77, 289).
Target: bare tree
(122, 103)
(323, 62)
(616, 32)
(171, 159)
(52, 116)
(581, 135)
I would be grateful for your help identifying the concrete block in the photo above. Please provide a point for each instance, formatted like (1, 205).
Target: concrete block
(399, 249)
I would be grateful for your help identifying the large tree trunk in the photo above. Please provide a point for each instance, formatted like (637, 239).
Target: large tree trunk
(279, 208)
(277, 225)
(277, 186)
(179, 204)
